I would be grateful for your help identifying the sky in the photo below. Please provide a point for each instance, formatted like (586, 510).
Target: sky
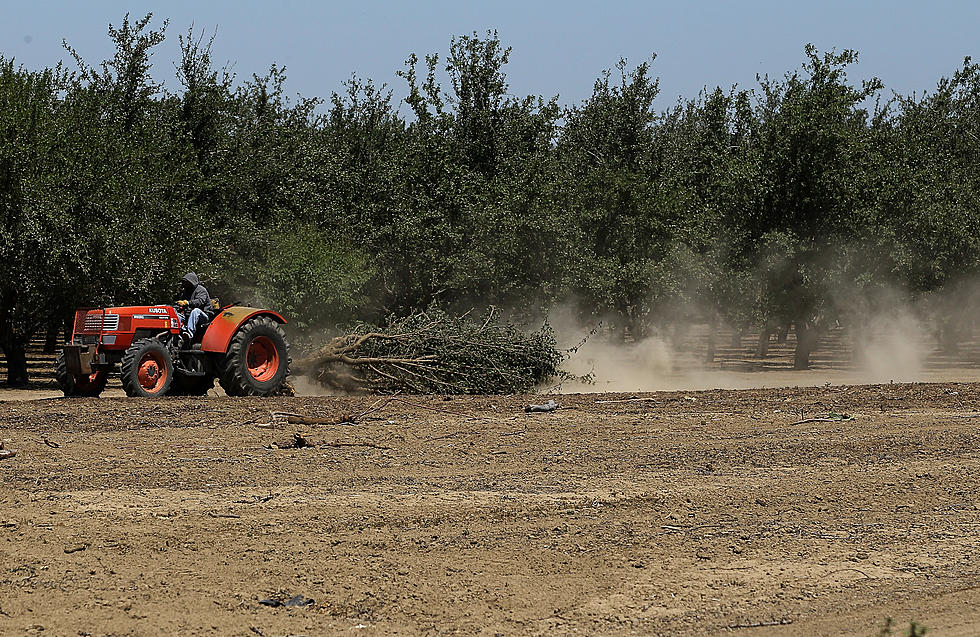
(559, 48)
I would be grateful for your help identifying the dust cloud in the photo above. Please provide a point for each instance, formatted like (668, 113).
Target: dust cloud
(895, 341)
(891, 348)
(306, 386)
(650, 365)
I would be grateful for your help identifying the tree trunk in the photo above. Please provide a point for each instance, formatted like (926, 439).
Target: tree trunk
(14, 346)
(764, 342)
(51, 338)
(737, 339)
(679, 334)
(637, 327)
(949, 336)
(709, 356)
(783, 335)
(16, 355)
(806, 342)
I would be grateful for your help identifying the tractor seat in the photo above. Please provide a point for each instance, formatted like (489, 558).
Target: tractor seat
(203, 324)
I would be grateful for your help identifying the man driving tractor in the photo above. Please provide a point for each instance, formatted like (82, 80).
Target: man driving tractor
(152, 348)
(196, 299)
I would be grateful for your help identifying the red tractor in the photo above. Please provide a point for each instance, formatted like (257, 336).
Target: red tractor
(243, 347)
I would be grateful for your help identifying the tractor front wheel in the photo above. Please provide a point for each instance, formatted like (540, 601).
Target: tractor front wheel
(147, 369)
(257, 361)
(89, 386)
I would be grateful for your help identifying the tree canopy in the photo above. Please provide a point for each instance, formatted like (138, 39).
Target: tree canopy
(787, 205)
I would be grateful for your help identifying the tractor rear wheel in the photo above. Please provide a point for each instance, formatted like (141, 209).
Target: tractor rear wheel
(90, 386)
(257, 361)
(147, 369)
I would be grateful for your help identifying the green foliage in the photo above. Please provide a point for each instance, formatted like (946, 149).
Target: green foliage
(309, 275)
(610, 153)
(474, 221)
(915, 630)
(39, 256)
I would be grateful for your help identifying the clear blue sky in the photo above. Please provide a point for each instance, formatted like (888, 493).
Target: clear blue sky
(559, 48)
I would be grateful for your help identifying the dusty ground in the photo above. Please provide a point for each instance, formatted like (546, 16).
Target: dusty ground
(685, 514)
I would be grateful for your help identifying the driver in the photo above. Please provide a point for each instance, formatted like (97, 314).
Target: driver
(194, 297)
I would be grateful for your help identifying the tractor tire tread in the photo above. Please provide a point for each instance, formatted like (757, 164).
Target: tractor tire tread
(128, 365)
(232, 378)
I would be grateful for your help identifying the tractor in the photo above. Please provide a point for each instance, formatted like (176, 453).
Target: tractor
(244, 348)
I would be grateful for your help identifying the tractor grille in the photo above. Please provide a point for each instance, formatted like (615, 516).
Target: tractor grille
(80, 316)
(95, 321)
(110, 322)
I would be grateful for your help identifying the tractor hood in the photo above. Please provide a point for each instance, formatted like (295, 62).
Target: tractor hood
(111, 319)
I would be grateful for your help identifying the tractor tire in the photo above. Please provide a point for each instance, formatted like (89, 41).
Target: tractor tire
(257, 361)
(82, 386)
(191, 385)
(147, 369)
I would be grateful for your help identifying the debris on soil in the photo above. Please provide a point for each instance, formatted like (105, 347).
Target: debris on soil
(297, 601)
(6, 453)
(551, 405)
(298, 441)
(258, 499)
(433, 352)
(831, 417)
(356, 444)
(775, 622)
(349, 419)
(278, 419)
(519, 432)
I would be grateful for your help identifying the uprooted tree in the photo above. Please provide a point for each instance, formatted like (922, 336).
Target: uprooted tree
(433, 352)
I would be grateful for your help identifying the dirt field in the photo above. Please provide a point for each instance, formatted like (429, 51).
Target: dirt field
(685, 514)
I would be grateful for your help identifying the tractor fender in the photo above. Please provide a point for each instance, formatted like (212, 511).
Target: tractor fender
(223, 326)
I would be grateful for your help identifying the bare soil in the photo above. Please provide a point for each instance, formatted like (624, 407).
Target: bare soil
(685, 513)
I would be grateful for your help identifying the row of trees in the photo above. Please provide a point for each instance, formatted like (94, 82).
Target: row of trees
(802, 201)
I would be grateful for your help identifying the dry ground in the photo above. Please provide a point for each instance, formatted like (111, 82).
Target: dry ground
(685, 514)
